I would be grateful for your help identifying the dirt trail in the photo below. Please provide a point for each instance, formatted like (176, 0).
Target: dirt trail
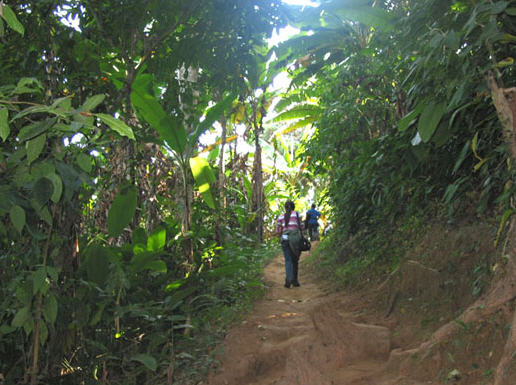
(306, 336)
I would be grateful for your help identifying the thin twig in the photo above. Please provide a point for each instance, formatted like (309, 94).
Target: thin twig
(11, 102)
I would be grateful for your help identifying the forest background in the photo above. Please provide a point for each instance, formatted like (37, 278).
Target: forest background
(128, 244)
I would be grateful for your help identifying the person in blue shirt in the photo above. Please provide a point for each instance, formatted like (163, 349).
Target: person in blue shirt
(312, 221)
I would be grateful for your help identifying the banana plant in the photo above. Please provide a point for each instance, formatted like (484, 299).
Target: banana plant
(329, 34)
(182, 145)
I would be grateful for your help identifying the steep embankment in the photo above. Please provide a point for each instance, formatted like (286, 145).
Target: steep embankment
(421, 326)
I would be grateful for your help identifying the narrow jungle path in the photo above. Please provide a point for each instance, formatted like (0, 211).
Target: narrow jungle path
(306, 336)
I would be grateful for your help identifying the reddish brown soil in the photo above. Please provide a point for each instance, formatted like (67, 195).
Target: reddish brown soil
(422, 325)
(306, 336)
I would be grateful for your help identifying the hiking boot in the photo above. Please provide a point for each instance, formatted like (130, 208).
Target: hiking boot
(296, 284)
(287, 284)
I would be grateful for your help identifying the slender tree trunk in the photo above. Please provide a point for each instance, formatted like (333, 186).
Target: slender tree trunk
(186, 223)
(219, 234)
(258, 195)
(188, 77)
(222, 166)
(504, 101)
(258, 189)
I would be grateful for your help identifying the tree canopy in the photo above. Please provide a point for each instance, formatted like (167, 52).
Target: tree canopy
(124, 236)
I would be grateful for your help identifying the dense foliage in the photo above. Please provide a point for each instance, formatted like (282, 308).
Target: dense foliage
(112, 266)
(125, 239)
(407, 124)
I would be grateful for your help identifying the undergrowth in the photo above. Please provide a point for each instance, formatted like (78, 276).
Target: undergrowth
(226, 301)
(164, 329)
(370, 254)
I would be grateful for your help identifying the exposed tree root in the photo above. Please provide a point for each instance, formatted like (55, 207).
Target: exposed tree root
(429, 355)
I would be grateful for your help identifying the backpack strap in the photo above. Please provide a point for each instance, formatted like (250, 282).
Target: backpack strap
(298, 221)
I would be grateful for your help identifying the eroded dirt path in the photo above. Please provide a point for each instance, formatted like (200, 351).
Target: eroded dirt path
(306, 336)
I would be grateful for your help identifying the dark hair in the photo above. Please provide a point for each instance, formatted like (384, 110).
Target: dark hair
(313, 205)
(289, 207)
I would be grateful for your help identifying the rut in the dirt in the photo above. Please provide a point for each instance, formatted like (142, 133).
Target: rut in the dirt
(303, 336)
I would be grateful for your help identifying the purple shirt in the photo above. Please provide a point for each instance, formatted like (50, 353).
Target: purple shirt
(292, 223)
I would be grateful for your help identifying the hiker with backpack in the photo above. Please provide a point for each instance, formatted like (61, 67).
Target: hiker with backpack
(289, 228)
(312, 222)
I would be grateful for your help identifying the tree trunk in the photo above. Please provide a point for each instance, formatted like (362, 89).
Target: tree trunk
(222, 169)
(188, 77)
(258, 195)
(504, 101)
(186, 223)
(258, 189)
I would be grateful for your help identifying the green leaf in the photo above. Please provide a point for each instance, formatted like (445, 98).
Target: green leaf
(17, 216)
(456, 113)
(58, 186)
(92, 102)
(203, 175)
(4, 124)
(6, 329)
(157, 239)
(44, 214)
(24, 293)
(370, 16)
(507, 38)
(149, 108)
(122, 210)
(429, 119)
(64, 104)
(139, 236)
(43, 333)
(50, 309)
(97, 264)
(12, 21)
(507, 62)
(248, 187)
(147, 261)
(298, 112)
(408, 119)
(298, 124)
(116, 125)
(505, 217)
(214, 113)
(38, 109)
(42, 169)
(21, 317)
(157, 266)
(34, 147)
(498, 7)
(452, 40)
(462, 156)
(84, 162)
(28, 86)
(28, 326)
(52, 272)
(43, 190)
(456, 100)
(172, 133)
(32, 130)
(147, 360)
(38, 279)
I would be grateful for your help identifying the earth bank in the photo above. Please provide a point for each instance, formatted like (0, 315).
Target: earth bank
(444, 316)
